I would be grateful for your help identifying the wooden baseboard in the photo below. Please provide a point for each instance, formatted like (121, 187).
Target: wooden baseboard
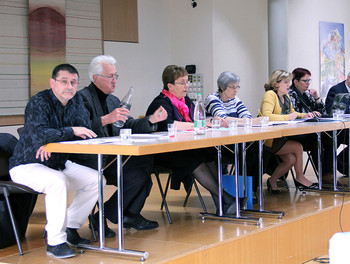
(11, 120)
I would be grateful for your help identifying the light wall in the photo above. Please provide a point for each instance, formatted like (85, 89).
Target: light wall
(216, 36)
(141, 64)
(303, 33)
(219, 35)
(240, 45)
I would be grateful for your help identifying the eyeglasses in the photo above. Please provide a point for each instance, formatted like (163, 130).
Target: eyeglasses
(110, 77)
(306, 81)
(182, 83)
(66, 82)
(234, 87)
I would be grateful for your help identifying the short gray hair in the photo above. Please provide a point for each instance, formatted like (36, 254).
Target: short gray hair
(96, 64)
(225, 79)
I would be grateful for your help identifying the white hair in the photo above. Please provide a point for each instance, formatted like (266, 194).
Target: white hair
(96, 64)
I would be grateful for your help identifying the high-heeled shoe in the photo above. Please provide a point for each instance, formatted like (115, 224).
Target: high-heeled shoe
(269, 187)
(300, 186)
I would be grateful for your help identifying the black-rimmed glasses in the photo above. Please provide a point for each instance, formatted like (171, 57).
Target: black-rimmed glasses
(66, 82)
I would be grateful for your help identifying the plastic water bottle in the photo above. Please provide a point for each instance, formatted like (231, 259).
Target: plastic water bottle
(199, 116)
(125, 103)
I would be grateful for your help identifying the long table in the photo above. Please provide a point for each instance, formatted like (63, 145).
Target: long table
(318, 127)
(182, 141)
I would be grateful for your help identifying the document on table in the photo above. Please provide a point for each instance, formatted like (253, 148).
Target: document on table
(275, 123)
(135, 138)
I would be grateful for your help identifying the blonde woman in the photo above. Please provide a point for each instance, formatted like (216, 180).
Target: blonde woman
(276, 104)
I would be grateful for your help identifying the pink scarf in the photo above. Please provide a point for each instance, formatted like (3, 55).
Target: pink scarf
(179, 104)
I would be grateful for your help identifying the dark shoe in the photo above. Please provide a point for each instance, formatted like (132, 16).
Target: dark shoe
(269, 187)
(228, 209)
(300, 186)
(327, 178)
(74, 239)
(94, 221)
(60, 251)
(139, 223)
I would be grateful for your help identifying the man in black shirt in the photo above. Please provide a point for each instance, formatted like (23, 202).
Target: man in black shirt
(105, 110)
(55, 115)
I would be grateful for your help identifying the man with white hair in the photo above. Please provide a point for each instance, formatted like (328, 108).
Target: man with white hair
(105, 110)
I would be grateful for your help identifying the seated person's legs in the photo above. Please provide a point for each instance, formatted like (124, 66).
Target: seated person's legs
(54, 184)
(137, 184)
(206, 174)
(84, 181)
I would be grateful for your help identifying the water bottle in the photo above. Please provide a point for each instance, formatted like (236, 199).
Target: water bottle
(199, 116)
(125, 103)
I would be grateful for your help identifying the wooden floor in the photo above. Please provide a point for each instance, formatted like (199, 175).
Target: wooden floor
(300, 236)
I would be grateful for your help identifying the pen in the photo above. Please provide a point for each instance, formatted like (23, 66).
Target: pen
(260, 112)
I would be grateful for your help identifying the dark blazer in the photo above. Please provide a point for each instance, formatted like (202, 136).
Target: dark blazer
(93, 105)
(339, 88)
(173, 113)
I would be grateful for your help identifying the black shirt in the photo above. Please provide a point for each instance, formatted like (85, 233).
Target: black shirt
(47, 121)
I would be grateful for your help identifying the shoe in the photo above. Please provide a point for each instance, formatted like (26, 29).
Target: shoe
(300, 186)
(60, 251)
(269, 187)
(139, 223)
(327, 178)
(74, 239)
(94, 222)
(230, 210)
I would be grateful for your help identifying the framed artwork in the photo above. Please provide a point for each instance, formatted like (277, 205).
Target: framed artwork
(332, 55)
(47, 41)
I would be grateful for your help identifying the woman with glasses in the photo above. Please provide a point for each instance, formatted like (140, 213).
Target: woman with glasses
(305, 100)
(224, 103)
(276, 104)
(198, 162)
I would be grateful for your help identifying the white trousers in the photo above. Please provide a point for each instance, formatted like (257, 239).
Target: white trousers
(55, 185)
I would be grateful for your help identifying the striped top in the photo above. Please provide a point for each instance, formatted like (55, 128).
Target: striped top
(234, 107)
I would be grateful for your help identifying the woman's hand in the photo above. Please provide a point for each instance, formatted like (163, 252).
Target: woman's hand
(313, 93)
(257, 120)
(159, 115)
(313, 114)
(292, 116)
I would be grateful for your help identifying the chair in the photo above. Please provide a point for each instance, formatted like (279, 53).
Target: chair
(310, 161)
(7, 188)
(157, 171)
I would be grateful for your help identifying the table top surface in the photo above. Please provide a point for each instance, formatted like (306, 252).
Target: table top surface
(160, 142)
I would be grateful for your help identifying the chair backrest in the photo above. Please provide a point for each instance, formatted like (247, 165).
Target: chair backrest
(4, 165)
(7, 146)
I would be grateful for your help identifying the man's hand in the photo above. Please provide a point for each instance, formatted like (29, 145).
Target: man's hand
(159, 115)
(42, 154)
(84, 132)
(118, 114)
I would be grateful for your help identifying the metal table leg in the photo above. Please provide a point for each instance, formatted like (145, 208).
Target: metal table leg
(120, 250)
(334, 189)
(222, 216)
(261, 195)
